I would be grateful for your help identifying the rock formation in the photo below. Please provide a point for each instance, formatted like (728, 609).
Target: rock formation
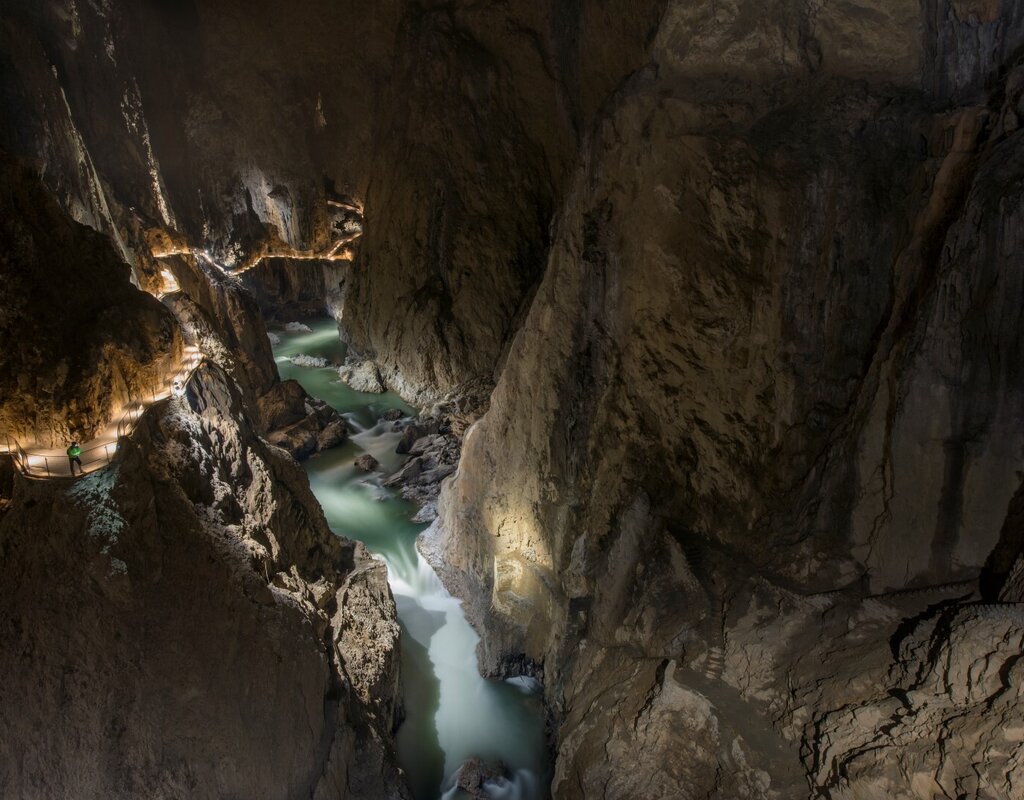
(223, 642)
(79, 341)
(289, 289)
(263, 125)
(458, 210)
(297, 423)
(774, 355)
(745, 280)
(223, 320)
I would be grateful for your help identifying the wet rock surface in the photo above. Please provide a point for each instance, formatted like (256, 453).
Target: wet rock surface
(476, 772)
(298, 423)
(367, 463)
(433, 453)
(362, 376)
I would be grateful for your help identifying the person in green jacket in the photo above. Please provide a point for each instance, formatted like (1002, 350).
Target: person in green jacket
(75, 457)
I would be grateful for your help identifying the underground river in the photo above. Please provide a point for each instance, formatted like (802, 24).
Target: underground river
(451, 713)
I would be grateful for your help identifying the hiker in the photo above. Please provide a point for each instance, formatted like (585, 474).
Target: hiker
(75, 457)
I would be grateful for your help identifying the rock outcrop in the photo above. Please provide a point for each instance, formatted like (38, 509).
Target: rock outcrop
(79, 341)
(265, 126)
(223, 319)
(223, 642)
(225, 322)
(298, 423)
(362, 375)
(774, 356)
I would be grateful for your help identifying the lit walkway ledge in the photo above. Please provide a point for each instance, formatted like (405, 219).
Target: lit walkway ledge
(37, 462)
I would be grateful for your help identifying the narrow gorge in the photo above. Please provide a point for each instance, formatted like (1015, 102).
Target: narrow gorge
(507, 400)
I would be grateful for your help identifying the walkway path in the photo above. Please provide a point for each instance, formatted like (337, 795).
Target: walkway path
(36, 461)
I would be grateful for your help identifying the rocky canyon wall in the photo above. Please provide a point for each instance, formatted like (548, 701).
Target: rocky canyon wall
(772, 371)
(184, 623)
(231, 127)
(459, 206)
(79, 341)
(288, 290)
(224, 123)
(748, 278)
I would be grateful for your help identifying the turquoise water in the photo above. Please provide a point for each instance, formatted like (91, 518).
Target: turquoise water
(452, 714)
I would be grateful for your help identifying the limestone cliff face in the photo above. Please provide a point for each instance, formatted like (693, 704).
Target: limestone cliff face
(775, 354)
(455, 125)
(759, 427)
(226, 322)
(221, 121)
(79, 341)
(458, 211)
(223, 642)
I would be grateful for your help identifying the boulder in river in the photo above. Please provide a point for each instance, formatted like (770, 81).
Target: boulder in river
(475, 772)
(367, 463)
(363, 376)
(411, 435)
(428, 513)
(406, 474)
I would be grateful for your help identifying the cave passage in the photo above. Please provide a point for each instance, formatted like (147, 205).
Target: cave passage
(452, 714)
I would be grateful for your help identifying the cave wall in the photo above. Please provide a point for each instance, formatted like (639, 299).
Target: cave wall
(759, 377)
(79, 341)
(459, 206)
(775, 355)
(224, 123)
(289, 289)
(225, 126)
(223, 642)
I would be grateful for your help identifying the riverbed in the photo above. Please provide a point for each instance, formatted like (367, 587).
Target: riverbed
(451, 713)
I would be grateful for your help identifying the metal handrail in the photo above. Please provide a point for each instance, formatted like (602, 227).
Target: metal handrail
(27, 468)
(125, 427)
(16, 452)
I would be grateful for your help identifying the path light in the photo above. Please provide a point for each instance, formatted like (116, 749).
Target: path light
(38, 462)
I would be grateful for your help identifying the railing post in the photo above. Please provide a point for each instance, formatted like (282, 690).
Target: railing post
(46, 463)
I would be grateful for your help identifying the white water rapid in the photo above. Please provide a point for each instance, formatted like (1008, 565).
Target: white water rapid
(452, 713)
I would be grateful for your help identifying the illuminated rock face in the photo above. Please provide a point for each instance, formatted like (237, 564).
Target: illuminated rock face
(79, 341)
(775, 353)
(185, 624)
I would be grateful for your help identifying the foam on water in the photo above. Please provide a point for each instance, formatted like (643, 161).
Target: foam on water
(452, 713)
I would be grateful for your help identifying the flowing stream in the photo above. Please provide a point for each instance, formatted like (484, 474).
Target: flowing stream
(452, 714)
